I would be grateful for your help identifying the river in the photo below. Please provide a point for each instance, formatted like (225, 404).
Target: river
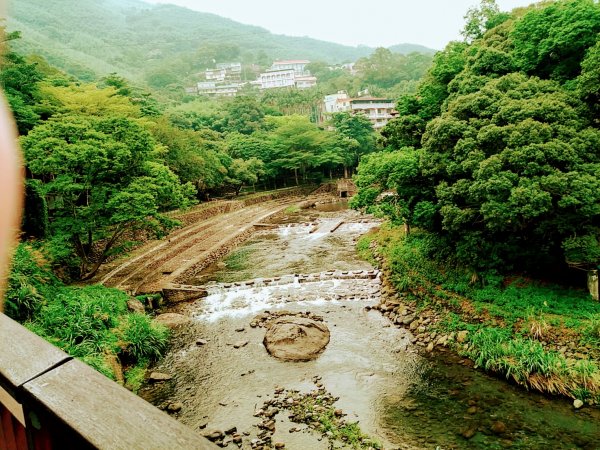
(307, 263)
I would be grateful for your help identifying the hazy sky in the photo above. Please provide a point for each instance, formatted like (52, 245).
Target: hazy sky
(374, 23)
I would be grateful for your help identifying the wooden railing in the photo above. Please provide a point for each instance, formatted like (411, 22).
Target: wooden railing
(50, 401)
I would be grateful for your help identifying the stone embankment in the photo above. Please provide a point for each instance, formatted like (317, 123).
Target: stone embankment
(211, 232)
(420, 322)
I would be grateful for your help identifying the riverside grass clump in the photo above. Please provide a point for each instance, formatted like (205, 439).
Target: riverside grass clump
(543, 337)
(91, 323)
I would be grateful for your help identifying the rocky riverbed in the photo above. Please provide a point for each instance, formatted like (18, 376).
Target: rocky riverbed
(381, 379)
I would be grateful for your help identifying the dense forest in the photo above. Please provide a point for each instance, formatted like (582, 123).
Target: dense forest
(497, 152)
(490, 178)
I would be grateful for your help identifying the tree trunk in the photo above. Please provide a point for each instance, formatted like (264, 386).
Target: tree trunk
(345, 172)
(296, 175)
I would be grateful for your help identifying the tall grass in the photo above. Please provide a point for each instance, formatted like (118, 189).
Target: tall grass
(90, 323)
(512, 322)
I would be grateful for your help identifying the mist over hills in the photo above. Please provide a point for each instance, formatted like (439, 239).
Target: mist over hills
(91, 38)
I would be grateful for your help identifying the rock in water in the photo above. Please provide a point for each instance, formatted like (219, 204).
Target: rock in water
(577, 403)
(293, 338)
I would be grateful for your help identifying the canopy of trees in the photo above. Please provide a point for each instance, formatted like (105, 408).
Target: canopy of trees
(105, 161)
(498, 151)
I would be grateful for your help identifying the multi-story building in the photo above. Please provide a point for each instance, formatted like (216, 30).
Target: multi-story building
(378, 110)
(277, 79)
(337, 102)
(214, 89)
(215, 74)
(297, 65)
(230, 71)
(305, 81)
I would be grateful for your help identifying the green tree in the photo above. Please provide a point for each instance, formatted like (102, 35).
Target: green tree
(550, 42)
(359, 129)
(296, 143)
(19, 80)
(482, 18)
(103, 180)
(244, 115)
(588, 83)
(243, 172)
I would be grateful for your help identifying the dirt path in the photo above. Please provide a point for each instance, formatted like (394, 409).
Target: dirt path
(188, 249)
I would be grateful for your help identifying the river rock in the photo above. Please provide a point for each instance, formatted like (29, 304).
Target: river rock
(171, 320)
(293, 338)
(577, 403)
(213, 435)
(462, 336)
(499, 427)
(408, 319)
(174, 407)
(134, 305)
(159, 376)
(240, 344)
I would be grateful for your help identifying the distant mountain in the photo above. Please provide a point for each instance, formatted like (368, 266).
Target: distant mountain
(160, 43)
(405, 49)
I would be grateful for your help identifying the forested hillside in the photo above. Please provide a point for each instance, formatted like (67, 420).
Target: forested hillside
(497, 152)
(142, 42)
(491, 181)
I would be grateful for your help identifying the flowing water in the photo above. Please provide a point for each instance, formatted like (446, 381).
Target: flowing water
(308, 263)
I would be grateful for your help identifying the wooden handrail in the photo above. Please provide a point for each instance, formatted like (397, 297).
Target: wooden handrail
(67, 404)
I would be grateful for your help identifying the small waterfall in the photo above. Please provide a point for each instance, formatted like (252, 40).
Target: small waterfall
(249, 297)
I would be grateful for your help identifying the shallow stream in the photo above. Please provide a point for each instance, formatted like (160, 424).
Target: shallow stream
(403, 400)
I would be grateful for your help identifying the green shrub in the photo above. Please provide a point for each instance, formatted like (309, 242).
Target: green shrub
(29, 281)
(143, 338)
(134, 377)
(80, 320)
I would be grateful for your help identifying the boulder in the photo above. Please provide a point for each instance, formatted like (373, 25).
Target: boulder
(499, 427)
(293, 338)
(159, 376)
(174, 407)
(577, 403)
(134, 305)
(171, 320)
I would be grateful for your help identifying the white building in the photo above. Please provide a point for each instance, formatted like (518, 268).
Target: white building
(305, 82)
(337, 102)
(378, 110)
(297, 65)
(215, 74)
(214, 89)
(277, 79)
(233, 67)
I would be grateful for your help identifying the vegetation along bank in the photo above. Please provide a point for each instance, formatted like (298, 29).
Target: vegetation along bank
(490, 180)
